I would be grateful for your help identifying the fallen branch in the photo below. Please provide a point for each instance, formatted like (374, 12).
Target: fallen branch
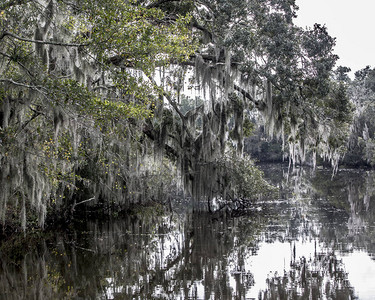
(75, 204)
(84, 201)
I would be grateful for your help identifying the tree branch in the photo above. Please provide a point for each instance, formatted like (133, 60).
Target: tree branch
(75, 204)
(158, 3)
(201, 28)
(119, 61)
(20, 64)
(21, 84)
(11, 3)
(149, 132)
(87, 200)
(258, 104)
(169, 98)
(20, 38)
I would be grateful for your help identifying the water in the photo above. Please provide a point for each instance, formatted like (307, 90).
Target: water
(317, 241)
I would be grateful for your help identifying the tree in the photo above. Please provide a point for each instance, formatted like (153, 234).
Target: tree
(71, 121)
(92, 94)
(253, 57)
(361, 143)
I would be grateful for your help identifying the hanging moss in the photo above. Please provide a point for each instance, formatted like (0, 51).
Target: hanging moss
(91, 110)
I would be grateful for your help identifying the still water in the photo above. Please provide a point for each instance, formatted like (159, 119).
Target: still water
(316, 241)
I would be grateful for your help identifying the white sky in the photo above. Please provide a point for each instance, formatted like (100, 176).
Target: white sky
(352, 22)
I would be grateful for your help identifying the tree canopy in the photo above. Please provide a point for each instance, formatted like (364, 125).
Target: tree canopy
(119, 102)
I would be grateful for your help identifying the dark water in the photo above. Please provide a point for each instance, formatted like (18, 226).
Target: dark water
(316, 242)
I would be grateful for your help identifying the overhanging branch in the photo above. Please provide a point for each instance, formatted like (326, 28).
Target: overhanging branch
(118, 60)
(33, 87)
(20, 38)
(258, 104)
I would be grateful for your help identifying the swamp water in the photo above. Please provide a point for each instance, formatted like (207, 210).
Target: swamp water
(317, 241)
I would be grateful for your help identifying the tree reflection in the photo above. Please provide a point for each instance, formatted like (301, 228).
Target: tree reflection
(339, 210)
(153, 255)
(193, 256)
(320, 277)
(346, 208)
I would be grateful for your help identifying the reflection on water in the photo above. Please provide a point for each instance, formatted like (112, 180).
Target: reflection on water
(316, 242)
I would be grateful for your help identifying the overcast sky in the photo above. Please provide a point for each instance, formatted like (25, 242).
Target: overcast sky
(351, 22)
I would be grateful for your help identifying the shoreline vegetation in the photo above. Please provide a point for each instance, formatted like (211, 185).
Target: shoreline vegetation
(56, 222)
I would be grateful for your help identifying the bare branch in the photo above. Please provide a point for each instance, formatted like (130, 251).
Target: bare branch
(75, 204)
(87, 200)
